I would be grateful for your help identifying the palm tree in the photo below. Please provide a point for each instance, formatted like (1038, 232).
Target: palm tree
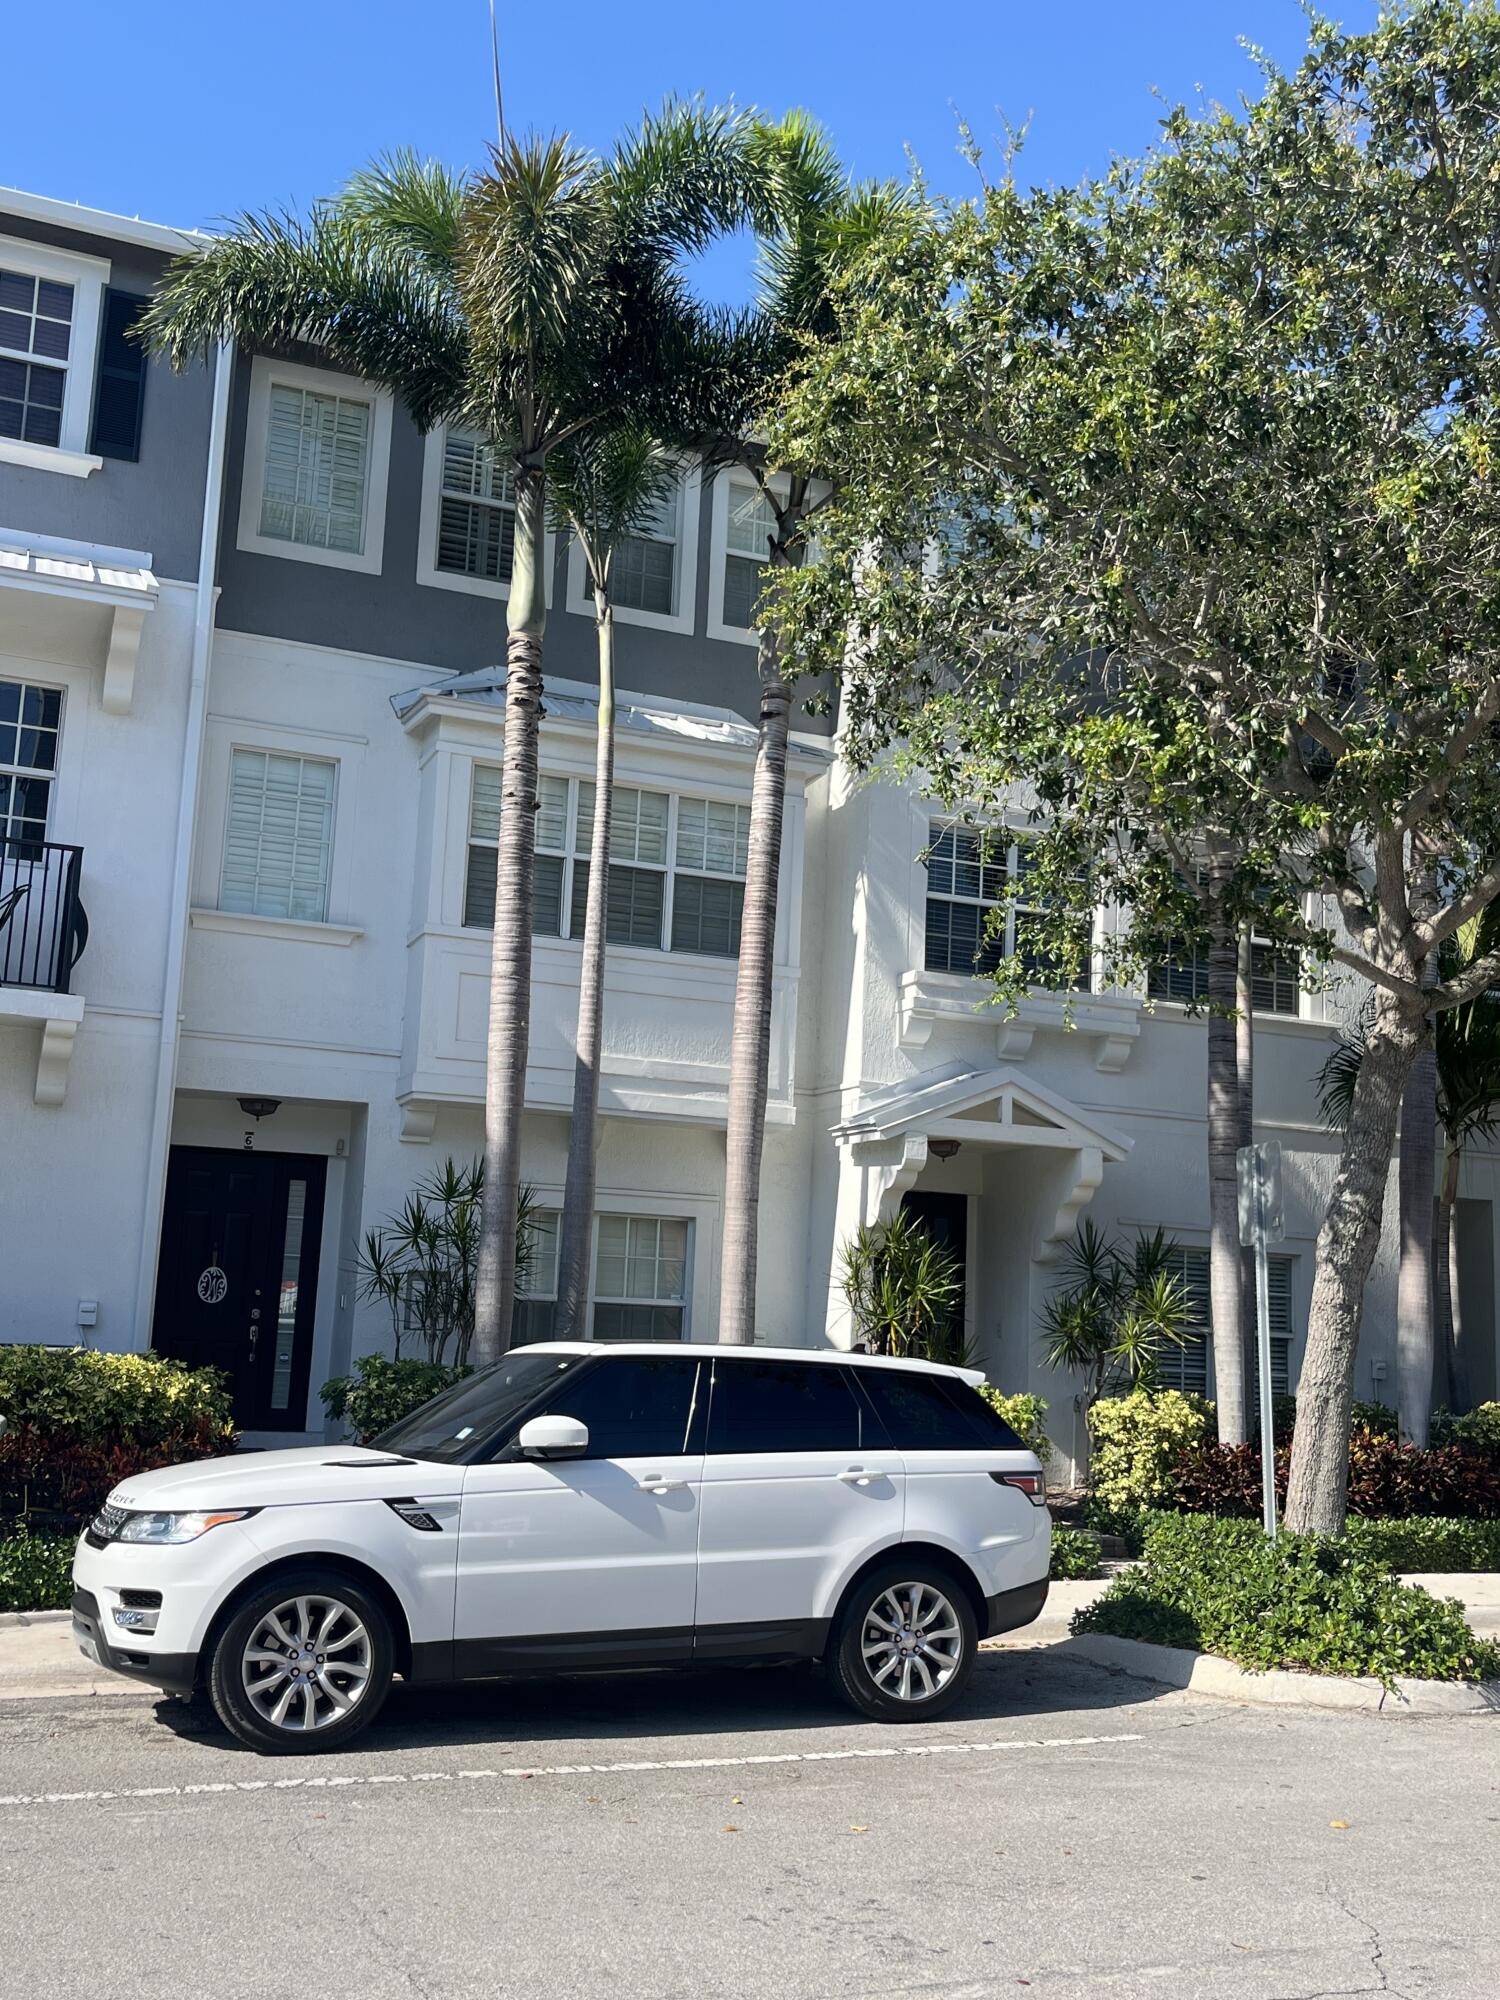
(531, 302)
(605, 484)
(1462, 1095)
(813, 224)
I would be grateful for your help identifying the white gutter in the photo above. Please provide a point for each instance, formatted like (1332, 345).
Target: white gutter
(100, 222)
(182, 864)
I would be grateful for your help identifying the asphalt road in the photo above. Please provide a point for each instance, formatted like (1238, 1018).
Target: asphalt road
(1067, 1831)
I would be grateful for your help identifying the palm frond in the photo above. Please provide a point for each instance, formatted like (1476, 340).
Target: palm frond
(415, 205)
(606, 483)
(535, 228)
(684, 176)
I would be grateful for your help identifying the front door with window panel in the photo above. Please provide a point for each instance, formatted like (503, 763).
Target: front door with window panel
(569, 1560)
(238, 1275)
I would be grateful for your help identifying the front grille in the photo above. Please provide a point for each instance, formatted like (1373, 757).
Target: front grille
(105, 1526)
(141, 1600)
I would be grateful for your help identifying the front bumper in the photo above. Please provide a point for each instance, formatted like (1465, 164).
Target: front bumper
(174, 1672)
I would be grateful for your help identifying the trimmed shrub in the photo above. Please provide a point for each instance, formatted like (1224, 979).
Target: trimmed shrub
(1026, 1415)
(1478, 1428)
(1387, 1480)
(1138, 1442)
(380, 1391)
(1379, 1419)
(80, 1422)
(1428, 1543)
(1222, 1587)
(1075, 1554)
(36, 1572)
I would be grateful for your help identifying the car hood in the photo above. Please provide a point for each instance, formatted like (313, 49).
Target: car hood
(286, 1479)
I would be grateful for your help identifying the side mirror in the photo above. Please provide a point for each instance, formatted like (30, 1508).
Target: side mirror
(553, 1437)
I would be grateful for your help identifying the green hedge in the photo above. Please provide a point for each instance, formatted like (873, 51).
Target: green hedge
(380, 1392)
(1026, 1415)
(1427, 1543)
(1136, 1442)
(1075, 1554)
(1221, 1587)
(36, 1572)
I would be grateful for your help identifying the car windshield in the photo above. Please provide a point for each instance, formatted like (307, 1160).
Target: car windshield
(448, 1427)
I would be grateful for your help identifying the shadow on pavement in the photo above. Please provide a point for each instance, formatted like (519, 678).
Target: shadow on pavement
(1010, 1687)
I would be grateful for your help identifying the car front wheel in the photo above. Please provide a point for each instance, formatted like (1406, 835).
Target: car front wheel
(905, 1645)
(303, 1665)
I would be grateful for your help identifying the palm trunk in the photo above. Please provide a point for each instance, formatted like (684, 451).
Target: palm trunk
(583, 1136)
(1414, 1288)
(1225, 1270)
(750, 1042)
(510, 950)
(1448, 1330)
(1244, 1051)
(1347, 1243)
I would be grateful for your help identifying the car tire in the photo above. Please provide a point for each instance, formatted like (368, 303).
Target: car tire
(904, 1645)
(304, 1664)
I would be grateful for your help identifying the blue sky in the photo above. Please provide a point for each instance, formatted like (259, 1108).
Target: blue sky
(185, 112)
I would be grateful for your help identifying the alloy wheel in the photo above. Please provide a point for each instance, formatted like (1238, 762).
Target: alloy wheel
(912, 1641)
(307, 1663)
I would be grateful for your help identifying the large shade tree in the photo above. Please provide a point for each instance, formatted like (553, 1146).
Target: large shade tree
(531, 302)
(1168, 502)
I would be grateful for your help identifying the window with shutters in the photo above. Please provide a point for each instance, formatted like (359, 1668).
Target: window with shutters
(1190, 1367)
(278, 839)
(653, 572)
(50, 304)
(317, 447)
(748, 535)
(676, 868)
(476, 523)
(536, 1288)
(968, 872)
(1275, 975)
(120, 391)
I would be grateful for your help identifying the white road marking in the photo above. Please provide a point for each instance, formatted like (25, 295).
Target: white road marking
(337, 1780)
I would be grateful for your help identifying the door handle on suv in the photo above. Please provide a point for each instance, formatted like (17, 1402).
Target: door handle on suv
(857, 1475)
(657, 1482)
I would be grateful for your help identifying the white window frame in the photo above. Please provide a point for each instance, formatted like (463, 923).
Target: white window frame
(572, 853)
(265, 374)
(305, 757)
(8, 770)
(88, 276)
(1283, 1263)
(580, 598)
(1005, 844)
(718, 552)
(541, 1287)
(428, 518)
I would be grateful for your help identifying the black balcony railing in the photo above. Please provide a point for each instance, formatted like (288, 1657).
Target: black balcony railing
(43, 928)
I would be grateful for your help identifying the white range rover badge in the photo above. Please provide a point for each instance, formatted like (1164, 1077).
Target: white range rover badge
(212, 1286)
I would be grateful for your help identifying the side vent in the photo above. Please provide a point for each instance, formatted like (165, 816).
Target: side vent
(415, 1516)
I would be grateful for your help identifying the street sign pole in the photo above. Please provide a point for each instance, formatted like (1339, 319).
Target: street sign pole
(1260, 1221)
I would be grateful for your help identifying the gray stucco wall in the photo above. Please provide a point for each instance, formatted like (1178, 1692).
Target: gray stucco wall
(155, 504)
(395, 617)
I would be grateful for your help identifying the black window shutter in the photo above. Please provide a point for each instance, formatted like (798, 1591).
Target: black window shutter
(120, 392)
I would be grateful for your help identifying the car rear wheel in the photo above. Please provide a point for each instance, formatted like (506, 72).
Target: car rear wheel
(905, 1645)
(303, 1665)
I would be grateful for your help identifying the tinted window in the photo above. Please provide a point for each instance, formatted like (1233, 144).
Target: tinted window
(785, 1406)
(936, 1412)
(635, 1405)
(453, 1424)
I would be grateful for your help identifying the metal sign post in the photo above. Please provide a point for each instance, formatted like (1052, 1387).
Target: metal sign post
(1261, 1223)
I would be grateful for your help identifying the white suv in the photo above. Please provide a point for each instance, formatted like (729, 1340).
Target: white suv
(584, 1506)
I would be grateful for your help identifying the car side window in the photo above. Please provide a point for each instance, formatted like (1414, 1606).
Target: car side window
(935, 1412)
(637, 1405)
(786, 1406)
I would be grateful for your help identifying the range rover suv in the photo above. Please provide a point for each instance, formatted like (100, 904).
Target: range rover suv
(583, 1506)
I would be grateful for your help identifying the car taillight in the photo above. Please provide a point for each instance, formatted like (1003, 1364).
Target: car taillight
(1032, 1484)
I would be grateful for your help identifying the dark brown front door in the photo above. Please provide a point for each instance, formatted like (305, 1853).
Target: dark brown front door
(238, 1279)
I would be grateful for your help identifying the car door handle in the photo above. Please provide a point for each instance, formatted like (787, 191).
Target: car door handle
(655, 1482)
(857, 1475)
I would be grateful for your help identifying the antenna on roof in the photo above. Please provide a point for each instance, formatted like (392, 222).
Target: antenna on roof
(495, 59)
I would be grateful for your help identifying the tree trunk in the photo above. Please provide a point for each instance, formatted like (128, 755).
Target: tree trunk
(510, 949)
(1414, 1289)
(750, 1043)
(1244, 1051)
(1225, 1271)
(1448, 1328)
(1347, 1243)
(583, 1136)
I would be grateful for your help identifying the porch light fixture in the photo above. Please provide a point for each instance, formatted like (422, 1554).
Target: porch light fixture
(943, 1149)
(259, 1107)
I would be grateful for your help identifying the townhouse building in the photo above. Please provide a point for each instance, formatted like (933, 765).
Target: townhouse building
(250, 732)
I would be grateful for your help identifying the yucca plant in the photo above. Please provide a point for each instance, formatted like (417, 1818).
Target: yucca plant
(903, 1289)
(1117, 1307)
(531, 302)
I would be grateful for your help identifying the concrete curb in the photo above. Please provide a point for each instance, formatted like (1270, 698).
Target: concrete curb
(1202, 1673)
(21, 1621)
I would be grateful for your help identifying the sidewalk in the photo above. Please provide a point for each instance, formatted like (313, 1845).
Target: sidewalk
(38, 1658)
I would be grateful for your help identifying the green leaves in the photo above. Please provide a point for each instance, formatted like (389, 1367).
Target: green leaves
(903, 1289)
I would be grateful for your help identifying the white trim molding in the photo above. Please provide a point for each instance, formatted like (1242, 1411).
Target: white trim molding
(88, 276)
(118, 578)
(298, 929)
(265, 373)
(58, 1015)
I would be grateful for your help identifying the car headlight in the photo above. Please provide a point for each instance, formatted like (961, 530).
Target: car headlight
(160, 1528)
